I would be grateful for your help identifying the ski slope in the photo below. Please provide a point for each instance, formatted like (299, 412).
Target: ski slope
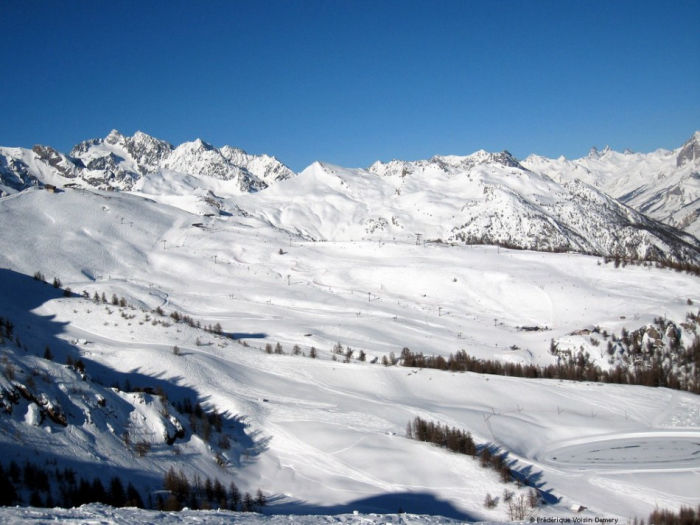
(327, 436)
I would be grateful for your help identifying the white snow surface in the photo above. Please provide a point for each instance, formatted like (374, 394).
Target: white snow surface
(322, 436)
(662, 184)
(90, 514)
(475, 203)
(482, 198)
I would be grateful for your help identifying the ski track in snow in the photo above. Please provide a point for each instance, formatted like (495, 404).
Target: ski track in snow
(641, 493)
(335, 430)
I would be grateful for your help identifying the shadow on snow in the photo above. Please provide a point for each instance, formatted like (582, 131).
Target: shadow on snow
(20, 295)
(411, 502)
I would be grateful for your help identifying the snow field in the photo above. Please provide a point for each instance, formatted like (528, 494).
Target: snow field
(130, 516)
(331, 434)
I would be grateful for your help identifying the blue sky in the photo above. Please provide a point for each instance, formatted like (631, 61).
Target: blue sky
(351, 82)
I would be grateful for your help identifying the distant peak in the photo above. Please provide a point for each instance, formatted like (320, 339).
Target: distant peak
(628, 151)
(140, 135)
(114, 137)
(594, 153)
(232, 148)
(505, 158)
(479, 155)
(233, 154)
(199, 144)
(144, 138)
(690, 151)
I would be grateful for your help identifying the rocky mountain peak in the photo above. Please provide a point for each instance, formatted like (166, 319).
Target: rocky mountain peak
(115, 138)
(230, 152)
(82, 148)
(506, 159)
(147, 151)
(199, 144)
(690, 151)
(446, 163)
(65, 166)
(118, 161)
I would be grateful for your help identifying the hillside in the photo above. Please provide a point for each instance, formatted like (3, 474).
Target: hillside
(480, 199)
(483, 198)
(663, 184)
(104, 514)
(322, 436)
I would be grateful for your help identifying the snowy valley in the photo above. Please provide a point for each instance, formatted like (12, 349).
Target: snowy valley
(212, 314)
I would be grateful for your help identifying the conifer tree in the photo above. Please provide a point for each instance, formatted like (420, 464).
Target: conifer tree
(260, 499)
(234, 496)
(117, 496)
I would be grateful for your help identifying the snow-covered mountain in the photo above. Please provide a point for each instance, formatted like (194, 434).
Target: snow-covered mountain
(663, 184)
(482, 198)
(327, 435)
(127, 163)
(234, 347)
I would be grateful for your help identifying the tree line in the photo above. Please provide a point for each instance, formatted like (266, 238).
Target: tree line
(684, 516)
(32, 485)
(678, 266)
(577, 368)
(460, 442)
(203, 493)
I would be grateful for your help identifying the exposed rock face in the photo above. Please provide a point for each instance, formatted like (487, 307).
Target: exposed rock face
(109, 171)
(264, 167)
(83, 147)
(15, 174)
(663, 184)
(61, 163)
(119, 162)
(202, 159)
(690, 151)
(148, 152)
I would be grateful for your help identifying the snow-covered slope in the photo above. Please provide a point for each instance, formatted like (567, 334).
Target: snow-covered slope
(124, 163)
(322, 435)
(483, 198)
(664, 185)
(479, 199)
(103, 514)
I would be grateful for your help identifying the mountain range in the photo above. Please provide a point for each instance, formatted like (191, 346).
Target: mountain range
(664, 185)
(644, 206)
(218, 319)
(118, 162)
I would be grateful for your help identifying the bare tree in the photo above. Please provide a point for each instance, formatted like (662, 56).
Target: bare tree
(517, 508)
